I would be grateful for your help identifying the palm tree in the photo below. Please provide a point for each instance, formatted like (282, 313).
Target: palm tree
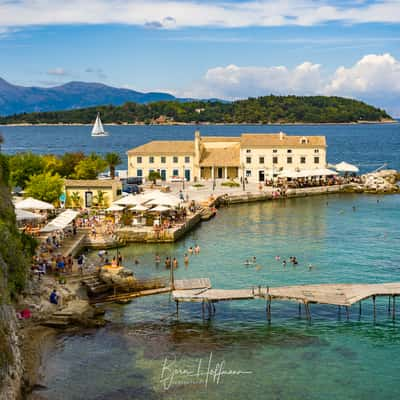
(101, 199)
(75, 199)
(113, 159)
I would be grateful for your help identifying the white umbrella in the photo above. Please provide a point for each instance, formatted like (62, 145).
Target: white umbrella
(130, 200)
(23, 215)
(346, 167)
(115, 207)
(160, 209)
(32, 204)
(164, 199)
(139, 207)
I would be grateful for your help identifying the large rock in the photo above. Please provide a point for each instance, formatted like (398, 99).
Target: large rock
(117, 276)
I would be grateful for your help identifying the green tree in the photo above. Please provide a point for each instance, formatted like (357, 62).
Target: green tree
(153, 176)
(46, 187)
(113, 159)
(90, 167)
(68, 163)
(23, 166)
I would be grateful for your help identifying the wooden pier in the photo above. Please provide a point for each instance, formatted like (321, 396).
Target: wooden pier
(334, 294)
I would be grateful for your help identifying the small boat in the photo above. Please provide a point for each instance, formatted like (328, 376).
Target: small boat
(98, 129)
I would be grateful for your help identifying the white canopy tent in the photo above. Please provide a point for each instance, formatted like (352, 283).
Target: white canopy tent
(23, 215)
(32, 204)
(60, 222)
(346, 167)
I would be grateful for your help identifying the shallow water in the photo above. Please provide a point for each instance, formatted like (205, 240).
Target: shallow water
(330, 358)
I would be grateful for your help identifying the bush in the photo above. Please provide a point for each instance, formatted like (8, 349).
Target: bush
(230, 184)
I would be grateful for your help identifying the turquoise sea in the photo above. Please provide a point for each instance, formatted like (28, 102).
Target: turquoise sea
(134, 356)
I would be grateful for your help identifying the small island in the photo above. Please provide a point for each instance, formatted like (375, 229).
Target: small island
(262, 110)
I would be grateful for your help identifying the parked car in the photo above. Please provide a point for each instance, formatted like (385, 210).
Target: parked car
(131, 189)
(136, 180)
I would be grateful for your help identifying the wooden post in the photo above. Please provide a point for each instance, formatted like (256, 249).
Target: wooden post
(374, 303)
(202, 308)
(394, 308)
(339, 312)
(269, 309)
(213, 306)
(177, 308)
(171, 277)
(347, 313)
(359, 308)
(299, 309)
(308, 313)
(389, 304)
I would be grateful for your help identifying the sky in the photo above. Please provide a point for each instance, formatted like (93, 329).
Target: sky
(226, 49)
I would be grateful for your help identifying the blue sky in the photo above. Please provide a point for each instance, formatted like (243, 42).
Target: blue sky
(226, 49)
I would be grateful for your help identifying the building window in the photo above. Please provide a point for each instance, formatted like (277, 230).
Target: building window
(175, 159)
(248, 173)
(303, 140)
(289, 160)
(274, 160)
(261, 160)
(151, 159)
(163, 159)
(248, 151)
(139, 159)
(316, 150)
(302, 160)
(316, 160)
(175, 172)
(248, 160)
(289, 150)
(187, 159)
(139, 172)
(274, 150)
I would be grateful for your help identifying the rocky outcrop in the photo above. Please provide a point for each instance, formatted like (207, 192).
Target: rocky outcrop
(119, 276)
(384, 181)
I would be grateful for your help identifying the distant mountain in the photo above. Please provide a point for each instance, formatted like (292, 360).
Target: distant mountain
(20, 99)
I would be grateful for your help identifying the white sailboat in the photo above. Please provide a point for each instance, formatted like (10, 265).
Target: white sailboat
(98, 129)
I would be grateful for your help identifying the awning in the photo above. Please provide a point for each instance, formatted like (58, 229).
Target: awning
(60, 222)
(346, 167)
(139, 207)
(307, 173)
(23, 215)
(130, 200)
(163, 199)
(32, 204)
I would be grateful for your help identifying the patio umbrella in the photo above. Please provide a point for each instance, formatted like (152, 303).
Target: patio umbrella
(115, 207)
(164, 199)
(130, 200)
(33, 204)
(139, 207)
(160, 209)
(23, 215)
(346, 167)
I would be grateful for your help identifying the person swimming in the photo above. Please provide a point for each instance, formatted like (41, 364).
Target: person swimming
(197, 249)
(247, 262)
(175, 263)
(277, 258)
(254, 259)
(190, 250)
(186, 259)
(157, 259)
(284, 263)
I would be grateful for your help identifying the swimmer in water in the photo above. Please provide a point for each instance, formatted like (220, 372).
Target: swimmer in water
(186, 259)
(254, 259)
(157, 259)
(190, 250)
(310, 267)
(247, 262)
(284, 263)
(277, 258)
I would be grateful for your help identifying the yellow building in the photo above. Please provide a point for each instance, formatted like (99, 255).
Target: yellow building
(254, 156)
(88, 193)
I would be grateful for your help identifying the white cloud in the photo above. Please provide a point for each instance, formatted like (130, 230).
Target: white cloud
(194, 13)
(374, 78)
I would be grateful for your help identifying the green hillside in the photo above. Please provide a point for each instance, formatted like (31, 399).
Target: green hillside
(267, 109)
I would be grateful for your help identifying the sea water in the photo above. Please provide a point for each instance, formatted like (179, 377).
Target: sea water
(147, 352)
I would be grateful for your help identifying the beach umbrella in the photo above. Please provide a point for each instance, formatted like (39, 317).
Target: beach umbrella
(115, 207)
(23, 215)
(346, 167)
(33, 204)
(164, 199)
